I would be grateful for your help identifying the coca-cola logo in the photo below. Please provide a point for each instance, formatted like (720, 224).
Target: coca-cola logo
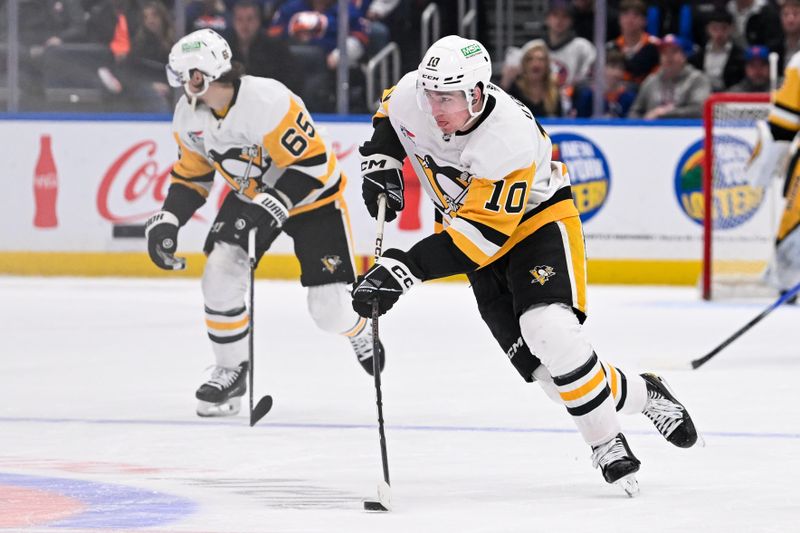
(134, 186)
(46, 181)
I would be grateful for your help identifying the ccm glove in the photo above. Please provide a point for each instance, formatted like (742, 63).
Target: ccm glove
(382, 174)
(385, 282)
(161, 231)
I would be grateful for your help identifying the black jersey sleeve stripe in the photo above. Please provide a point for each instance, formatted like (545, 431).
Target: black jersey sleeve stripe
(296, 185)
(564, 193)
(384, 141)
(182, 201)
(623, 391)
(779, 133)
(495, 237)
(319, 159)
(788, 109)
(205, 178)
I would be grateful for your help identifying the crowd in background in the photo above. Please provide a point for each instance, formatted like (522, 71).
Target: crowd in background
(662, 58)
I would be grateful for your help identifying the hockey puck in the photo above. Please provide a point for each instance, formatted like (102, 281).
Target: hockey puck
(374, 506)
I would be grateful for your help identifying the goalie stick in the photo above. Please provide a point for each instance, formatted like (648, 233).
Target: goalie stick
(264, 404)
(697, 363)
(384, 501)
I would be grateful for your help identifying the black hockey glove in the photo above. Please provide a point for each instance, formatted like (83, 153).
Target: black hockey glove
(274, 206)
(161, 231)
(385, 282)
(382, 174)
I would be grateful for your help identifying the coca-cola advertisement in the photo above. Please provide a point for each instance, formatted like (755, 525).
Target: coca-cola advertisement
(91, 185)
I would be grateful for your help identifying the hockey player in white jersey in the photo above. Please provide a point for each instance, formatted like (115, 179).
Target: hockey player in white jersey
(505, 217)
(257, 136)
(777, 154)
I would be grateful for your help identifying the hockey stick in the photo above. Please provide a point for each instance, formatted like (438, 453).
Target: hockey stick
(384, 501)
(264, 404)
(697, 363)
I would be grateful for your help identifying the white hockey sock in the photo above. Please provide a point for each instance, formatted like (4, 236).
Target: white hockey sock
(229, 332)
(629, 392)
(587, 397)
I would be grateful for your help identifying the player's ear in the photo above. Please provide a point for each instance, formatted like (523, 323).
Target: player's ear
(477, 93)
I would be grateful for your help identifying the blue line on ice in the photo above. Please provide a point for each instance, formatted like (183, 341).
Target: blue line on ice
(312, 425)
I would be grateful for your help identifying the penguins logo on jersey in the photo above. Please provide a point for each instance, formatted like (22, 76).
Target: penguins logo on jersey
(331, 263)
(449, 183)
(242, 167)
(542, 274)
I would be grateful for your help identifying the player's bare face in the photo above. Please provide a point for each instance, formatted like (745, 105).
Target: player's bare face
(450, 109)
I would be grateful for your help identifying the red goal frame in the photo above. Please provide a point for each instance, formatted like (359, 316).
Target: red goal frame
(708, 154)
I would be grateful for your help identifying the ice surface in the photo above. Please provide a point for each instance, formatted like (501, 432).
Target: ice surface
(98, 431)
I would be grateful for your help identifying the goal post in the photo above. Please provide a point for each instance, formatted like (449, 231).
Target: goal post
(738, 221)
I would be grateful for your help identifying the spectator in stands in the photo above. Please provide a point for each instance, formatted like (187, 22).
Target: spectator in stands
(311, 28)
(535, 84)
(677, 90)
(755, 22)
(211, 14)
(756, 70)
(790, 24)
(583, 20)
(44, 24)
(261, 55)
(571, 56)
(720, 58)
(619, 93)
(141, 77)
(638, 47)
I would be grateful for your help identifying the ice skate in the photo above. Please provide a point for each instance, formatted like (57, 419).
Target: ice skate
(669, 415)
(617, 463)
(362, 346)
(221, 395)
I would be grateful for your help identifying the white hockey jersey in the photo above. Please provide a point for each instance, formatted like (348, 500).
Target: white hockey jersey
(492, 185)
(265, 131)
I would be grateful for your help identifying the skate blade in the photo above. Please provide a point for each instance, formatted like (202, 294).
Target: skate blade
(629, 484)
(228, 408)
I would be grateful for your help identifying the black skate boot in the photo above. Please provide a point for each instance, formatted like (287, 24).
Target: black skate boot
(617, 463)
(221, 395)
(362, 345)
(669, 415)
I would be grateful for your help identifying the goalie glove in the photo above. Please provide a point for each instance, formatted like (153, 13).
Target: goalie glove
(161, 231)
(385, 282)
(767, 160)
(382, 174)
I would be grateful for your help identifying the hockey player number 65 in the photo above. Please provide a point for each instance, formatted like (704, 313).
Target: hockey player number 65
(294, 141)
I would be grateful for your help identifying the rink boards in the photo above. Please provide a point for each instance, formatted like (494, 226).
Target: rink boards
(635, 183)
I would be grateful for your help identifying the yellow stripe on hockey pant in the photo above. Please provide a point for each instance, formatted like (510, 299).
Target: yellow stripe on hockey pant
(222, 326)
(613, 372)
(577, 258)
(790, 218)
(585, 389)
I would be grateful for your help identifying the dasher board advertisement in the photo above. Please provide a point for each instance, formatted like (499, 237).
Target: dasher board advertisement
(88, 186)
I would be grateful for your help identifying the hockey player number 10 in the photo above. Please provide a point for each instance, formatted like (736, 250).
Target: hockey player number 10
(293, 140)
(514, 197)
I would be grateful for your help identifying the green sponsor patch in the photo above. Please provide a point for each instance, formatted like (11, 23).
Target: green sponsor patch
(470, 50)
(188, 47)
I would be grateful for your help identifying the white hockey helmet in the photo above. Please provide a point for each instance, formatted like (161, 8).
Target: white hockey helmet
(453, 63)
(204, 50)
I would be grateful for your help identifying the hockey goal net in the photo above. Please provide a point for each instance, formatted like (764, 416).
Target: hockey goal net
(738, 236)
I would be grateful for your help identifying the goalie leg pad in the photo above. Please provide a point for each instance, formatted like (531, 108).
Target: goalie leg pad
(224, 284)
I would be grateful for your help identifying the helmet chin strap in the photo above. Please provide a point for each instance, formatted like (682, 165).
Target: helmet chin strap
(193, 96)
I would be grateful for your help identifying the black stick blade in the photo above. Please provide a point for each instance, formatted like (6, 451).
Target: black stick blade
(262, 408)
(374, 506)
